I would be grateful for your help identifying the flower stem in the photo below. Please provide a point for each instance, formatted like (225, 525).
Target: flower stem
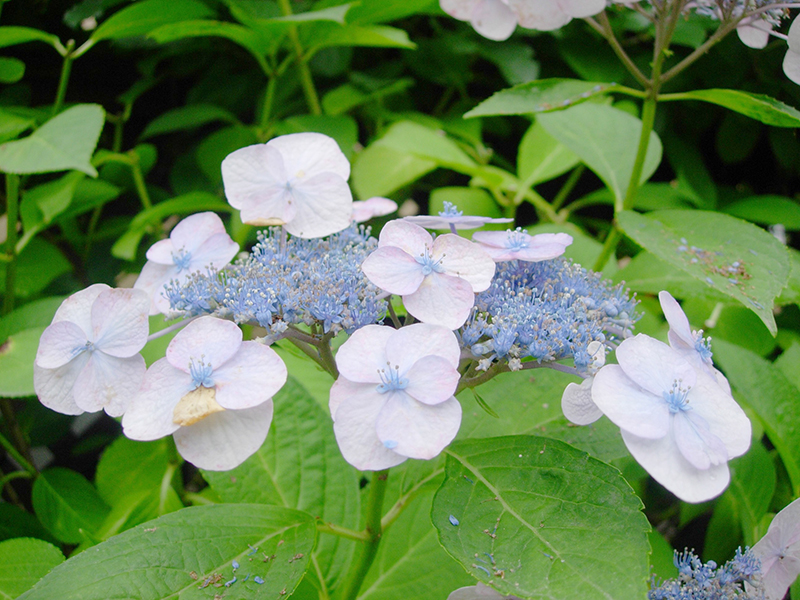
(12, 216)
(333, 529)
(66, 67)
(310, 92)
(374, 531)
(12, 451)
(138, 180)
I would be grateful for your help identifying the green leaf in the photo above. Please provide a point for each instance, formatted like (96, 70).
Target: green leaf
(65, 142)
(541, 157)
(300, 466)
(789, 364)
(767, 210)
(756, 106)
(334, 13)
(11, 69)
(38, 264)
(187, 117)
(734, 257)
(17, 354)
(346, 97)
(175, 555)
(325, 35)
(67, 505)
(380, 11)
(144, 16)
(606, 140)
(23, 562)
(11, 36)
(380, 170)
(11, 125)
(772, 397)
(526, 510)
(540, 96)
(752, 485)
(38, 313)
(42, 204)
(128, 467)
(16, 522)
(90, 194)
(694, 180)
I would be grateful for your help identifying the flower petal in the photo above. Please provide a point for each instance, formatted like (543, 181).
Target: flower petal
(724, 416)
(193, 231)
(363, 355)
(460, 9)
(109, 383)
(678, 322)
(119, 321)
(151, 280)
(653, 365)
(417, 430)
(755, 34)
(393, 270)
(55, 387)
(215, 252)
(212, 340)
(60, 343)
(406, 236)
(311, 153)
(255, 181)
(410, 344)
(149, 414)
(441, 300)
(696, 442)
(372, 207)
(354, 427)
(322, 204)
(628, 406)
(226, 439)
(252, 376)
(464, 259)
(544, 15)
(580, 9)
(432, 380)
(162, 252)
(665, 463)
(78, 307)
(494, 20)
(577, 404)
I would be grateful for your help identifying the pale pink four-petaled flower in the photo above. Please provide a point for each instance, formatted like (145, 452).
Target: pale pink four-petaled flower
(364, 210)
(298, 181)
(437, 279)
(520, 245)
(88, 358)
(212, 392)
(196, 243)
(779, 552)
(394, 399)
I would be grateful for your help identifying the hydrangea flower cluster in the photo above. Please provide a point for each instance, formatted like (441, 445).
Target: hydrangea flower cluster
(698, 581)
(287, 282)
(546, 311)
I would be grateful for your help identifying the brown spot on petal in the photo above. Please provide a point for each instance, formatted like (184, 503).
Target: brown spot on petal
(196, 406)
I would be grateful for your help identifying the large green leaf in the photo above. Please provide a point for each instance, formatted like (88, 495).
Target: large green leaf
(537, 517)
(772, 397)
(606, 140)
(42, 204)
(380, 170)
(11, 69)
(767, 210)
(380, 11)
(324, 35)
(34, 314)
(11, 36)
(68, 505)
(23, 562)
(540, 96)
(146, 15)
(11, 125)
(756, 106)
(300, 466)
(16, 363)
(38, 264)
(541, 157)
(188, 555)
(187, 117)
(66, 141)
(734, 257)
(752, 485)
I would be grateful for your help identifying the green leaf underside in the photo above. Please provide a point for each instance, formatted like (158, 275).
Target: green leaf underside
(536, 518)
(300, 466)
(709, 246)
(544, 95)
(142, 17)
(17, 354)
(756, 106)
(23, 562)
(175, 555)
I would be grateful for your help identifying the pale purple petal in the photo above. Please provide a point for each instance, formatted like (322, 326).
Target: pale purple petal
(493, 19)
(363, 355)
(779, 552)
(408, 237)
(410, 344)
(212, 340)
(791, 64)
(653, 365)
(151, 280)
(393, 270)
(119, 321)
(477, 592)
(663, 460)
(680, 330)
(216, 252)
(109, 383)
(162, 252)
(193, 231)
(577, 404)
(447, 221)
(254, 178)
(628, 406)
(544, 15)
(252, 376)
(150, 413)
(372, 207)
(432, 380)
(226, 439)
(354, 427)
(78, 307)
(322, 204)
(460, 9)
(341, 390)
(755, 34)
(311, 154)
(441, 300)
(724, 416)
(519, 245)
(417, 430)
(793, 36)
(59, 344)
(462, 258)
(580, 9)
(54, 387)
(696, 442)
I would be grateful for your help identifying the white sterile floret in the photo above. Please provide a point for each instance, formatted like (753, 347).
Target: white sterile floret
(437, 279)
(791, 62)
(691, 344)
(364, 210)
(88, 358)
(394, 399)
(676, 420)
(754, 34)
(576, 401)
(520, 245)
(213, 393)
(451, 218)
(779, 552)
(298, 181)
(479, 591)
(196, 243)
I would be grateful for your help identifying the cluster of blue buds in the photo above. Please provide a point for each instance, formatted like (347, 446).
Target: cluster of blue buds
(548, 311)
(287, 282)
(699, 581)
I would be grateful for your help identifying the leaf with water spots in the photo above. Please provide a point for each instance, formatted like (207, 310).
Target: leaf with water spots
(540, 519)
(732, 256)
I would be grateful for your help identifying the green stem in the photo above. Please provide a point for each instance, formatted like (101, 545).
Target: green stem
(266, 107)
(568, 186)
(14, 475)
(394, 512)
(66, 67)
(138, 180)
(326, 354)
(12, 216)
(310, 92)
(374, 532)
(613, 238)
(648, 118)
(13, 452)
(197, 499)
(338, 530)
(607, 32)
(9, 489)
